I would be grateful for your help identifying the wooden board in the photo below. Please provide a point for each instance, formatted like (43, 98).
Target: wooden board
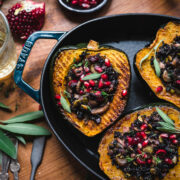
(57, 162)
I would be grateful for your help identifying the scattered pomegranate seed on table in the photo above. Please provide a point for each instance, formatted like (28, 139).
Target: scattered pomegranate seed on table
(124, 93)
(25, 18)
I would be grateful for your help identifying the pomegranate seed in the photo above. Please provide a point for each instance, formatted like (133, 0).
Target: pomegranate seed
(107, 83)
(98, 69)
(98, 93)
(145, 143)
(143, 127)
(143, 134)
(124, 93)
(86, 84)
(82, 76)
(160, 151)
(74, 2)
(91, 82)
(159, 89)
(81, 92)
(104, 76)
(40, 108)
(149, 161)
(145, 156)
(136, 140)
(130, 140)
(164, 135)
(88, 90)
(178, 82)
(85, 5)
(139, 151)
(72, 82)
(101, 84)
(140, 161)
(107, 62)
(59, 104)
(168, 161)
(58, 97)
(173, 136)
(175, 141)
(86, 69)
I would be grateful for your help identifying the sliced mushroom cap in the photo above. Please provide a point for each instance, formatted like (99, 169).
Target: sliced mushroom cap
(101, 109)
(93, 103)
(78, 71)
(121, 162)
(166, 76)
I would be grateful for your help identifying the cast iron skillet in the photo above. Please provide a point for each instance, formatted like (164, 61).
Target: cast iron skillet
(129, 32)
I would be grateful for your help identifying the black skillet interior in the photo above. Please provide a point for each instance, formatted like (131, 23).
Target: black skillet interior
(129, 32)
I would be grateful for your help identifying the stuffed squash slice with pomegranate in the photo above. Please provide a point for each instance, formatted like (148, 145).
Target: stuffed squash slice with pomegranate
(91, 86)
(143, 145)
(159, 64)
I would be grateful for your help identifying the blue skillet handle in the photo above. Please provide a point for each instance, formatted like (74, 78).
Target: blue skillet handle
(35, 94)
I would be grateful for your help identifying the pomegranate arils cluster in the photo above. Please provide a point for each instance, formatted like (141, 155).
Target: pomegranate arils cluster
(83, 4)
(25, 18)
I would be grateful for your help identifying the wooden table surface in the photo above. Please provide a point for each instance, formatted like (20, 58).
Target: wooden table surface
(57, 163)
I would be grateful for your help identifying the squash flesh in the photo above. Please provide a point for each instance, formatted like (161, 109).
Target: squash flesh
(105, 162)
(167, 34)
(119, 62)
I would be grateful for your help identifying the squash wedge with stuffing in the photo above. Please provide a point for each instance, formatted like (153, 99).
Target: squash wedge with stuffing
(122, 126)
(120, 63)
(145, 69)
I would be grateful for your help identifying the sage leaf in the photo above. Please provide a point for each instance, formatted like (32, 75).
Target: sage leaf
(129, 159)
(21, 139)
(7, 146)
(147, 55)
(92, 76)
(144, 58)
(24, 117)
(25, 129)
(157, 67)
(4, 106)
(65, 104)
(164, 116)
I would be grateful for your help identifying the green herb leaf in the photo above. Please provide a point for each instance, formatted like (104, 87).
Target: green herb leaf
(89, 108)
(157, 160)
(26, 129)
(144, 58)
(104, 93)
(7, 146)
(86, 64)
(65, 104)
(4, 106)
(129, 159)
(147, 55)
(164, 116)
(78, 65)
(24, 117)
(157, 67)
(21, 139)
(92, 76)
(67, 94)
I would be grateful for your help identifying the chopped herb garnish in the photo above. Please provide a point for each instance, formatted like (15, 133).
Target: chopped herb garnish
(68, 95)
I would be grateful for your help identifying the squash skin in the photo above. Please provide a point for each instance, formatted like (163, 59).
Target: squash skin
(105, 162)
(120, 63)
(147, 73)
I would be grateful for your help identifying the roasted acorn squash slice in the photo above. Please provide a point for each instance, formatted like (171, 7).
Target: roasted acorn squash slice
(122, 125)
(120, 63)
(147, 72)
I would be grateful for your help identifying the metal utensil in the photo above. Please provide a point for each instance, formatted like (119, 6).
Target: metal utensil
(36, 155)
(5, 166)
(14, 165)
